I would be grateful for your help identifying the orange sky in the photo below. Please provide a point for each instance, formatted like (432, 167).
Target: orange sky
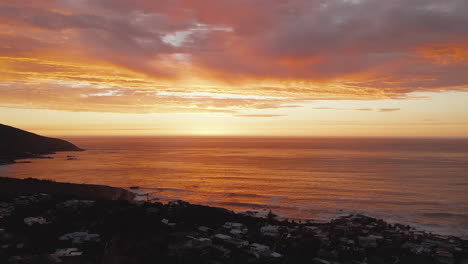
(221, 67)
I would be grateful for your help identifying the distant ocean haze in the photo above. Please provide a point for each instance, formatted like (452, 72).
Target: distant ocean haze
(422, 182)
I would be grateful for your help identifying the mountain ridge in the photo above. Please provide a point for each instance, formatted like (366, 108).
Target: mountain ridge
(16, 143)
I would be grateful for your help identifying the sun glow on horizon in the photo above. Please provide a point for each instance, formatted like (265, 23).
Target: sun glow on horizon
(185, 68)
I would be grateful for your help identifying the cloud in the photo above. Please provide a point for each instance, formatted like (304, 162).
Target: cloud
(389, 109)
(326, 108)
(258, 115)
(358, 109)
(298, 49)
(89, 98)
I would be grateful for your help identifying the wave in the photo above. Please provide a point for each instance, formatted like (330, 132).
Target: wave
(445, 215)
(247, 205)
(165, 189)
(248, 195)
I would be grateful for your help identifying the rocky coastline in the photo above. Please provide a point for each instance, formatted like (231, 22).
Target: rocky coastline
(91, 224)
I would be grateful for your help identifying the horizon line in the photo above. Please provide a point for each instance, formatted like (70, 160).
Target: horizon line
(267, 136)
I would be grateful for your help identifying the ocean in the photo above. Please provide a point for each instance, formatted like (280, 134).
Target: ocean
(420, 182)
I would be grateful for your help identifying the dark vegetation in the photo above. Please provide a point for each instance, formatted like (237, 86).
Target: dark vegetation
(44, 228)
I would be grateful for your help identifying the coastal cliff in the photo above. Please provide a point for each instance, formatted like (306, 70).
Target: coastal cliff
(19, 144)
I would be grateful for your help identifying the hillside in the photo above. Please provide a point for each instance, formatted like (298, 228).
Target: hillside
(16, 143)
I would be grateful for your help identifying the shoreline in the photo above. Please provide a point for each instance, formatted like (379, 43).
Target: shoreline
(8, 159)
(12, 159)
(262, 211)
(320, 201)
(44, 221)
(20, 187)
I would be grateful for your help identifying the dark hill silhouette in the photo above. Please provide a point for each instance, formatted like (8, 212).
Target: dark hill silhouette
(16, 143)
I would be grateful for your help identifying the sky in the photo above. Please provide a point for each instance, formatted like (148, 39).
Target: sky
(244, 67)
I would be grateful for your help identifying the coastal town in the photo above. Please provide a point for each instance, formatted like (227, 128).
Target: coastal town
(66, 228)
